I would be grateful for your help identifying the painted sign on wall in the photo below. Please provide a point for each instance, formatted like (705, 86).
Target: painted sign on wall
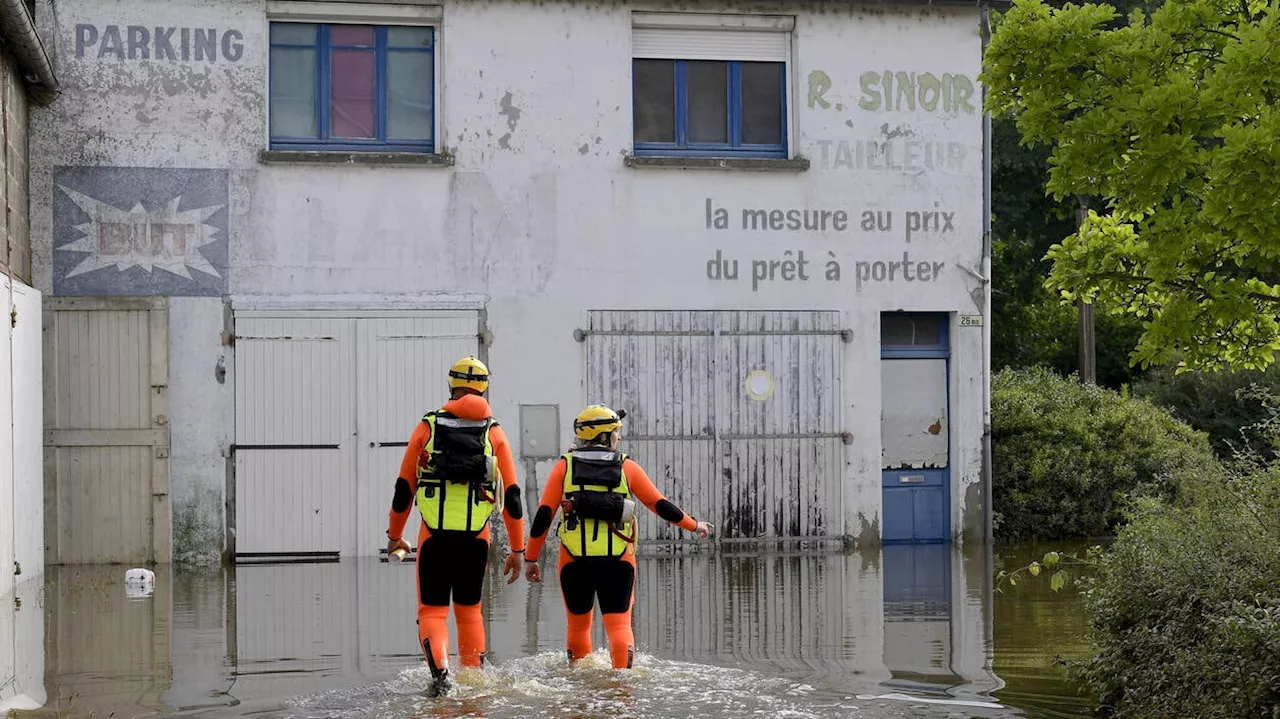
(137, 42)
(139, 231)
(924, 225)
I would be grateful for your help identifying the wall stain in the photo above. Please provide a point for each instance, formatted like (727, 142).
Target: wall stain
(586, 147)
(973, 514)
(899, 131)
(511, 112)
(868, 532)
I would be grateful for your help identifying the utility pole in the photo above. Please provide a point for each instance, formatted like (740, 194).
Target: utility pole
(1088, 358)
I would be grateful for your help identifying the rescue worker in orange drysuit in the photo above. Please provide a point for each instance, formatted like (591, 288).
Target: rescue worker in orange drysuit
(595, 485)
(457, 469)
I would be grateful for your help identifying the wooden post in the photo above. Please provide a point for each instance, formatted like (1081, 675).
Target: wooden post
(1088, 350)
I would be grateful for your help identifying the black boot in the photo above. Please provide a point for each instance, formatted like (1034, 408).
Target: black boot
(440, 682)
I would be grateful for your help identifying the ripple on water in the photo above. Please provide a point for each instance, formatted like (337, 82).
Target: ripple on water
(545, 685)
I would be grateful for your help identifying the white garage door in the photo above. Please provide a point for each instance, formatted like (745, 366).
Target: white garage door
(325, 403)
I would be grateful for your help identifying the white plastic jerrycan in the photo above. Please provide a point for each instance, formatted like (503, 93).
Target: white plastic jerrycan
(139, 582)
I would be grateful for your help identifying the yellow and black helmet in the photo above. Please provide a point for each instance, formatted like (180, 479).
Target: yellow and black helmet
(595, 421)
(469, 372)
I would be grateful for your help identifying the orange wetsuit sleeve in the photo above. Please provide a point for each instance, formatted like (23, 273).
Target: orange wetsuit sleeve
(644, 490)
(512, 509)
(402, 503)
(547, 508)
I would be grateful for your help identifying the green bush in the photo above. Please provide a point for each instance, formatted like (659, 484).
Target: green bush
(1228, 406)
(1185, 605)
(1065, 454)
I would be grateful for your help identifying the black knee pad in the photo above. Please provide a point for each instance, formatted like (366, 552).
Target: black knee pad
(513, 503)
(403, 496)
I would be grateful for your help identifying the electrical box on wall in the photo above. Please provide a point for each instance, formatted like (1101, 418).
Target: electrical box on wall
(540, 431)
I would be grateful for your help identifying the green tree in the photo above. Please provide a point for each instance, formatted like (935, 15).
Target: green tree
(1170, 121)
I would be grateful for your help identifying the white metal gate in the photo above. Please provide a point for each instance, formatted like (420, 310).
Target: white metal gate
(107, 430)
(8, 507)
(733, 414)
(325, 403)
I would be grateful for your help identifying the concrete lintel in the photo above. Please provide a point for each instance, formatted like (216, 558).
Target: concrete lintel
(417, 159)
(751, 164)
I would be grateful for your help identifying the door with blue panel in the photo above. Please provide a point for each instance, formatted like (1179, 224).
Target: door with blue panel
(915, 427)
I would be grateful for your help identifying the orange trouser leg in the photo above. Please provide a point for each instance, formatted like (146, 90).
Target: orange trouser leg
(578, 608)
(433, 626)
(617, 625)
(470, 633)
(578, 636)
(621, 639)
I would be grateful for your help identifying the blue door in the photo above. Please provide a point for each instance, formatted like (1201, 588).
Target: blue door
(915, 428)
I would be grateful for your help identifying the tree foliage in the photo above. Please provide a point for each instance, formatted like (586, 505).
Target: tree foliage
(1238, 410)
(1029, 325)
(1170, 119)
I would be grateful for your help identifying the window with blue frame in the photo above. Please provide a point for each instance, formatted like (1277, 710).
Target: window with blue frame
(352, 87)
(709, 108)
(914, 334)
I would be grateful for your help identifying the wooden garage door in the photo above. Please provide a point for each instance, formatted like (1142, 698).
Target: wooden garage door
(325, 404)
(107, 430)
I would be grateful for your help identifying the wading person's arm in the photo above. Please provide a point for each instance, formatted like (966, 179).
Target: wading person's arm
(512, 506)
(547, 508)
(406, 486)
(645, 491)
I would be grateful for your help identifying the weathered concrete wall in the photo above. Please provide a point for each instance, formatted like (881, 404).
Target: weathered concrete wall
(197, 429)
(15, 226)
(540, 215)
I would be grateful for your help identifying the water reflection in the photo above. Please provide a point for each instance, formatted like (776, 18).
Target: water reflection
(902, 631)
(1031, 630)
(22, 646)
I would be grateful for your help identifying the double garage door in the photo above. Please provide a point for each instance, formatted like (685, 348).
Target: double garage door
(325, 404)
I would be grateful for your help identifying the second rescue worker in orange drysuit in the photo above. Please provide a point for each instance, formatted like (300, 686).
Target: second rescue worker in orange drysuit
(594, 483)
(448, 467)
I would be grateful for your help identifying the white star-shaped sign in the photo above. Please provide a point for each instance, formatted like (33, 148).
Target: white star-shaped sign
(164, 238)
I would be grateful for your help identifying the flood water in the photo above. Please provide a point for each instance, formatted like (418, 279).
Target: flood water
(902, 631)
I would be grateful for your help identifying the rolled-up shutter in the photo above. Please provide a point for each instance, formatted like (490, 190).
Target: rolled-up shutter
(711, 37)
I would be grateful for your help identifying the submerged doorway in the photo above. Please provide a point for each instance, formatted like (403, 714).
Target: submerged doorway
(915, 427)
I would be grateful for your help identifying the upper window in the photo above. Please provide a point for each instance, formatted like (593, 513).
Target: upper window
(710, 107)
(352, 87)
(699, 89)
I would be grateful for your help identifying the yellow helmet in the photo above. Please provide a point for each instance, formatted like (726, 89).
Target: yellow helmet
(469, 372)
(596, 420)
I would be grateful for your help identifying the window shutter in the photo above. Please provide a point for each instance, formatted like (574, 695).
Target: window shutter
(709, 44)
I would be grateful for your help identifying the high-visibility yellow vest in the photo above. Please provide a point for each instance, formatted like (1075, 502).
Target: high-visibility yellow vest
(458, 481)
(590, 476)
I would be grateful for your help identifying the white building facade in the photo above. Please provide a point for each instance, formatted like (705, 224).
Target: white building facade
(265, 229)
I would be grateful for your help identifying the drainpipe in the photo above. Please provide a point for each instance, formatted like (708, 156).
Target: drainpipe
(986, 272)
(20, 37)
(988, 608)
